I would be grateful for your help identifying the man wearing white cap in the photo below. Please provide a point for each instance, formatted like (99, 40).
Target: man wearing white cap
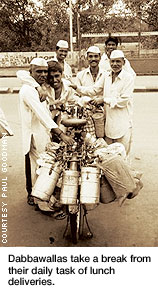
(116, 87)
(61, 54)
(88, 77)
(36, 120)
(111, 44)
(91, 74)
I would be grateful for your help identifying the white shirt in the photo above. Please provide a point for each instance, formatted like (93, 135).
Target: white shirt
(105, 65)
(67, 94)
(67, 72)
(85, 78)
(35, 118)
(4, 127)
(118, 98)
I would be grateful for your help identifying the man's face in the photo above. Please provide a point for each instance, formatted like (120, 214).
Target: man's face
(110, 47)
(61, 53)
(39, 74)
(93, 59)
(116, 64)
(55, 79)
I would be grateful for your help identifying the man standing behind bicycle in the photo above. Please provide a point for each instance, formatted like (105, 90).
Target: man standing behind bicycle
(88, 77)
(61, 54)
(111, 44)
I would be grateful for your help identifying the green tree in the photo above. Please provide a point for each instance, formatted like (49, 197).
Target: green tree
(56, 19)
(27, 26)
(94, 15)
(147, 11)
(55, 23)
(19, 30)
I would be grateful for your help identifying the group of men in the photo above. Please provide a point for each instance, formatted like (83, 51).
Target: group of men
(109, 80)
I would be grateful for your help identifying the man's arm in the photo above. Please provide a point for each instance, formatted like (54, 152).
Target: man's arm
(65, 138)
(91, 91)
(31, 99)
(78, 81)
(125, 96)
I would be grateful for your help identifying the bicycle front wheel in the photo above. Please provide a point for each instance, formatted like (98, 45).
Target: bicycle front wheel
(76, 220)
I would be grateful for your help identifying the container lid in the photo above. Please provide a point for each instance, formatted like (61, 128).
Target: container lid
(98, 115)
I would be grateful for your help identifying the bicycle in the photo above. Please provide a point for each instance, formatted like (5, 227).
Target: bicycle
(77, 164)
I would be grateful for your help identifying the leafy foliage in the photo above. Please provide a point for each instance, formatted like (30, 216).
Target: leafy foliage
(27, 26)
(147, 11)
(18, 25)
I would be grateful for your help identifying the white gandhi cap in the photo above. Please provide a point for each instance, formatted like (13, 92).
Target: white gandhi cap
(93, 49)
(62, 44)
(38, 61)
(117, 54)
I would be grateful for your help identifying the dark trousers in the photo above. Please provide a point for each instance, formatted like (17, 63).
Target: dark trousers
(28, 174)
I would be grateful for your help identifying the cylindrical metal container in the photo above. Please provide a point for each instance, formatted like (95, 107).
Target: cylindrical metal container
(90, 185)
(69, 189)
(46, 182)
(99, 122)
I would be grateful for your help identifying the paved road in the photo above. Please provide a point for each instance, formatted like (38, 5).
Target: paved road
(134, 224)
(141, 81)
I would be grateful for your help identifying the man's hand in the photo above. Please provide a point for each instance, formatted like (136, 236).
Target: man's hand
(42, 98)
(97, 101)
(67, 139)
(111, 101)
(72, 85)
(58, 103)
(42, 93)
